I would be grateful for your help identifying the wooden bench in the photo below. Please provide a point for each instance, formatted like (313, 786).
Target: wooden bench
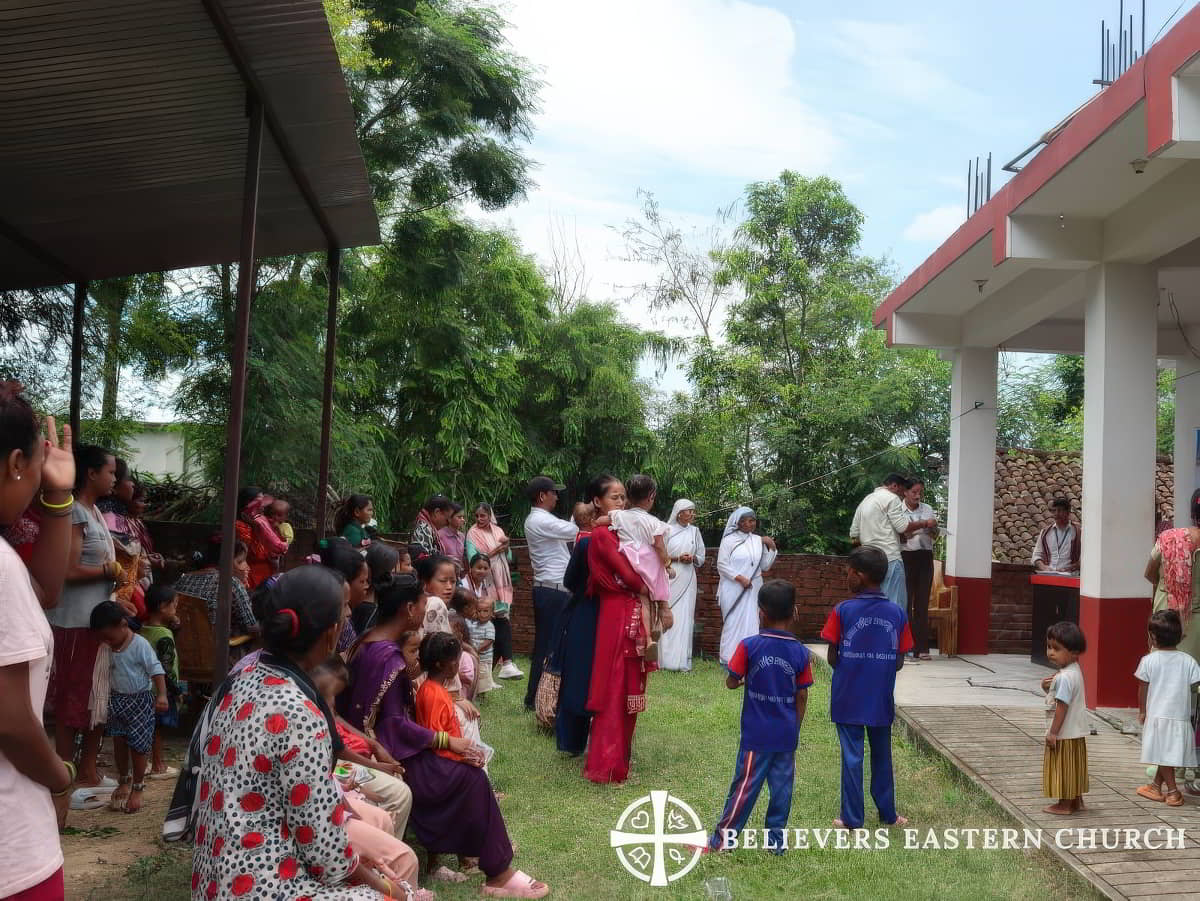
(195, 641)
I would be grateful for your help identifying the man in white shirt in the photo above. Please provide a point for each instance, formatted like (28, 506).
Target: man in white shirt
(1058, 545)
(880, 521)
(916, 551)
(549, 540)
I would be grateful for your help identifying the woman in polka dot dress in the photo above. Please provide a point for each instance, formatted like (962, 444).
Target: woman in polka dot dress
(271, 821)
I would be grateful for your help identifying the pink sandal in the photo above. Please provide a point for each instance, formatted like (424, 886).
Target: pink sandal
(520, 885)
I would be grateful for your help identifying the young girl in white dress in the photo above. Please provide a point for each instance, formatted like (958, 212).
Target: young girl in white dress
(1166, 678)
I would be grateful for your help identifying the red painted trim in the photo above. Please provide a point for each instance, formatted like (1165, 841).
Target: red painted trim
(1115, 629)
(1149, 77)
(974, 613)
(1064, 581)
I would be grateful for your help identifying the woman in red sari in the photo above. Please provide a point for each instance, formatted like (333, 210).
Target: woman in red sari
(617, 693)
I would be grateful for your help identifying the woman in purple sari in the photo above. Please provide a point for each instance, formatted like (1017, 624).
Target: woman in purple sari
(454, 808)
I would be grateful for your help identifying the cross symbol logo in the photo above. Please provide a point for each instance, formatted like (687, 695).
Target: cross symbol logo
(645, 846)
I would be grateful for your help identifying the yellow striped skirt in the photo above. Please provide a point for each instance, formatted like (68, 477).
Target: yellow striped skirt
(1065, 770)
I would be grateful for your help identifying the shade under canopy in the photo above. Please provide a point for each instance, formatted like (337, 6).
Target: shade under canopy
(125, 128)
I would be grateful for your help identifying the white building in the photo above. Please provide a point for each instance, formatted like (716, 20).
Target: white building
(1093, 248)
(159, 449)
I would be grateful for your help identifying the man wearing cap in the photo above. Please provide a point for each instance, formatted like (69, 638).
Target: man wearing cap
(549, 553)
(1058, 545)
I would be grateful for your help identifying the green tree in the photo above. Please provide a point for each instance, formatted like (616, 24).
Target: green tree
(811, 403)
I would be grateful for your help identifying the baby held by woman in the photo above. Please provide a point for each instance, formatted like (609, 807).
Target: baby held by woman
(643, 542)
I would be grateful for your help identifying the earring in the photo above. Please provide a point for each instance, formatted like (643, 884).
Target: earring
(17, 477)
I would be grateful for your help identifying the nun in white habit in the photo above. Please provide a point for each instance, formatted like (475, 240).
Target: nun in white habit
(685, 546)
(741, 562)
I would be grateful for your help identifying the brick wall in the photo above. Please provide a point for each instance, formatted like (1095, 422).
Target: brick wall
(1012, 609)
(820, 583)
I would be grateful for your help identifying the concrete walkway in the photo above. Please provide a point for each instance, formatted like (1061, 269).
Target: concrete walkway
(985, 715)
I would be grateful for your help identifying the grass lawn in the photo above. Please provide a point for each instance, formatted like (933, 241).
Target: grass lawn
(686, 744)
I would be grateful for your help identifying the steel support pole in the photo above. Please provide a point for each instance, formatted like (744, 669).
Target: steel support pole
(81, 289)
(335, 270)
(237, 385)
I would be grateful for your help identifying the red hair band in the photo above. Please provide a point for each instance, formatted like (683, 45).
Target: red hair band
(291, 614)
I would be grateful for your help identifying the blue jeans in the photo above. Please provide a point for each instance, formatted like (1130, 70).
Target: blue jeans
(883, 788)
(778, 770)
(894, 584)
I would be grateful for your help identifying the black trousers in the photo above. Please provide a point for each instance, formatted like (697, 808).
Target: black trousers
(503, 644)
(547, 605)
(918, 578)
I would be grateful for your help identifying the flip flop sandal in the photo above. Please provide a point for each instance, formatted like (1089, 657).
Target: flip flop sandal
(169, 773)
(899, 821)
(90, 798)
(521, 885)
(1174, 799)
(1150, 793)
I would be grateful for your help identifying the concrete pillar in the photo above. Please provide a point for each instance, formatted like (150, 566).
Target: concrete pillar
(1120, 342)
(1187, 421)
(972, 493)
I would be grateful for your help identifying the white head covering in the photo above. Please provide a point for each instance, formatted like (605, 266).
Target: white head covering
(736, 517)
(680, 505)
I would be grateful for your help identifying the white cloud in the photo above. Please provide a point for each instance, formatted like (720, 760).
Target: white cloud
(934, 226)
(706, 86)
(897, 62)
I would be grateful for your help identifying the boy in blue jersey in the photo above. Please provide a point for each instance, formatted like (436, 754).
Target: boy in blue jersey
(774, 666)
(868, 636)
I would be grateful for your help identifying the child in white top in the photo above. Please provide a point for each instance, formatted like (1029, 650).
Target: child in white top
(137, 690)
(643, 542)
(1064, 763)
(1166, 678)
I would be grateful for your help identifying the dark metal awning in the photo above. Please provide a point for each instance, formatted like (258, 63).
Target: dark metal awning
(123, 133)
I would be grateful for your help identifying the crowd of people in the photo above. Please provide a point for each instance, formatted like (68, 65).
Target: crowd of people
(357, 716)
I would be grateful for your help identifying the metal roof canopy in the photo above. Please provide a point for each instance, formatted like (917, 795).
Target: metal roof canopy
(125, 130)
(147, 135)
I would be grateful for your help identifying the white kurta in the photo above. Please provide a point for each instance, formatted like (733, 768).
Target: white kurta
(740, 555)
(675, 647)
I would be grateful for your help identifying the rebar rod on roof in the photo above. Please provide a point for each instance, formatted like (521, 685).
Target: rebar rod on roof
(237, 388)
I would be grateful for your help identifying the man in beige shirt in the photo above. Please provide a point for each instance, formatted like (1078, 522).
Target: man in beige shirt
(881, 521)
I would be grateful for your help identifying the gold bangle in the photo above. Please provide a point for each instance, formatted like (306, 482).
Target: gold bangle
(72, 775)
(66, 505)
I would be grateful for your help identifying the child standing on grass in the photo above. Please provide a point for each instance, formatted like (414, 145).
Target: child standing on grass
(774, 666)
(161, 602)
(1064, 764)
(1166, 679)
(483, 637)
(868, 637)
(134, 670)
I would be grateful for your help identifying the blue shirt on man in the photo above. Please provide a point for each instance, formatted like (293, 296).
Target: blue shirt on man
(870, 633)
(774, 665)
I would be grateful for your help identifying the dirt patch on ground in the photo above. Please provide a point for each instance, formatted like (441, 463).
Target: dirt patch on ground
(100, 845)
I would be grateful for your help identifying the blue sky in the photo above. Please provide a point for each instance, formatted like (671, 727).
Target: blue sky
(693, 99)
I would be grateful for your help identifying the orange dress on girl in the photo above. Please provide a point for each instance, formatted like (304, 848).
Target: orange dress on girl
(435, 711)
